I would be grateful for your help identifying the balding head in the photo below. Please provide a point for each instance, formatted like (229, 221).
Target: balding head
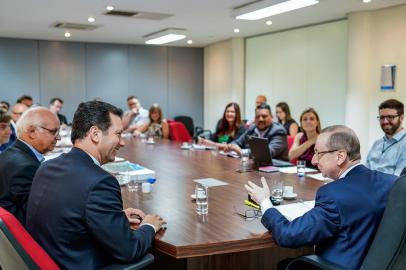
(261, 99)
(17, 110)
(39, 127)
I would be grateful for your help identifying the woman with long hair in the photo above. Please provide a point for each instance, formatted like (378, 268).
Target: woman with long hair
(158, 126)
(303, 146)
(285, 119)
(229, 127)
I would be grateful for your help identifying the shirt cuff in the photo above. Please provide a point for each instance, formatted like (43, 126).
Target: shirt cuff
(265, 205)
(149, 224)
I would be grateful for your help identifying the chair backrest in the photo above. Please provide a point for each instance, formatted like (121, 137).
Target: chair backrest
(188, 122)
(178, 132)
(388, 250)
(291, 140)
(18, 249)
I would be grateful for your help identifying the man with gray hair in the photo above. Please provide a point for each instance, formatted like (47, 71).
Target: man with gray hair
(347, 211)
(38, 132)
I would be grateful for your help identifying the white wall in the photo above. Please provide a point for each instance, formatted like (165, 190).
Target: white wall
(223, 78)
(305, 67)
(374, 38)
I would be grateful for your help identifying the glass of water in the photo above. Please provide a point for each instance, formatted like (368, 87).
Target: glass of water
(277, 190)
(202, 205)
(301, 168)
(132, 183)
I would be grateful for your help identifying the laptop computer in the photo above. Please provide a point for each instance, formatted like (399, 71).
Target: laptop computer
(261, 155)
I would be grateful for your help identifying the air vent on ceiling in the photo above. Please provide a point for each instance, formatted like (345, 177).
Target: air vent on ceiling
(75, 26)
(138, 14)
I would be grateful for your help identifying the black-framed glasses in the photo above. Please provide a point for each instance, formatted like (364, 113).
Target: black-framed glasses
(249, 214)
(321, 153)
(53, 132)
(390, 118)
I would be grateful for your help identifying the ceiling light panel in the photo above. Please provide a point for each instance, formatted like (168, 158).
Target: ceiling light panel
(165, 36)
(268, 8)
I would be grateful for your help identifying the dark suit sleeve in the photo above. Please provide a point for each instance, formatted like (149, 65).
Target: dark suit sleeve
(240, 132)
(109, 225)
(320, 223)
(403, 172)
(277, 145)
(242, 140)
(21, 185)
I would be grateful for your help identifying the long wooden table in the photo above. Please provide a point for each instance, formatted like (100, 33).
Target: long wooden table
(220, 240)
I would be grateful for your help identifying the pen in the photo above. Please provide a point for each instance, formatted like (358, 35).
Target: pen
(247, 202)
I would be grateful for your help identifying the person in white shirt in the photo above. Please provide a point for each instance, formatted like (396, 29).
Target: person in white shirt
(136, 116)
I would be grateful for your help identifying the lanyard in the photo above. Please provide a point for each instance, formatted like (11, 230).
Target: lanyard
(383, 145)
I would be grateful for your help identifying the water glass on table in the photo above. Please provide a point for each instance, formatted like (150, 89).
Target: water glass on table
(301, 168)
(202, 205)
(277, 190)
(132, 183)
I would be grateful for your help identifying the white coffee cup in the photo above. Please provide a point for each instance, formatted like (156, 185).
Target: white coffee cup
(146, 187)
(287, 190)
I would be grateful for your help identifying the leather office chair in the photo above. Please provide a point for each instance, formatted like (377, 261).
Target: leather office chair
(178, 132)
(18, 250)
(193, 131)
(388, 249)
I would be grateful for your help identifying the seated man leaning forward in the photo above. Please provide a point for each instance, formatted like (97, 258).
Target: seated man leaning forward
(347, 211)
(75, 210)
(264, 128)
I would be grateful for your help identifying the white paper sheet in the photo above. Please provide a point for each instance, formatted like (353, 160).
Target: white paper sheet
(295, 210)
(210, 182)
(319, 176)
(294, 170)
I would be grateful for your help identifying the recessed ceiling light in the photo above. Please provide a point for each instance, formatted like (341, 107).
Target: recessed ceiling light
(109, 8)
(262, 9)
(366, 1)
(90, 19)
(268, 22)
(236, 30)
(189, 41)
(67, 34)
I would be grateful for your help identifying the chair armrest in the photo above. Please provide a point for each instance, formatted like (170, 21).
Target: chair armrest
(145, 261)
(313, 262)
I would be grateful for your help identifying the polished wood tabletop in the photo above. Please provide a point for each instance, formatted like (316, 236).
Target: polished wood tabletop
(221, 230)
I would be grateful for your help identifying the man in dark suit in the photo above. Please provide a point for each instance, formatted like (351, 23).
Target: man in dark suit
(55, 105)
(37, 134)
(264, 128)
(75, 210)
(347, 211)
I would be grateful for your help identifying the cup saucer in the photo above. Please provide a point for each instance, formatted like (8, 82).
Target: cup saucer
(290, 196)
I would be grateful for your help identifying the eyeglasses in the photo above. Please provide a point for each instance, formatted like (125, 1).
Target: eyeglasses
(322, 153)
(390, 118)
(3, 126)
(54, 132)
(17, 113)
(249, 214)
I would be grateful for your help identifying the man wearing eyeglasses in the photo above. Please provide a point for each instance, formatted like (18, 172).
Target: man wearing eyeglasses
(388, 154)
(16, 112)
(347, 211)
(136, 116)
(38, 132)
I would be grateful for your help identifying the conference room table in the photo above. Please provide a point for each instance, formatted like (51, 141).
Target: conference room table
(221, 239)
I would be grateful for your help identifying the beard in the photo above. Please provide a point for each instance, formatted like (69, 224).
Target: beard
(390, 128)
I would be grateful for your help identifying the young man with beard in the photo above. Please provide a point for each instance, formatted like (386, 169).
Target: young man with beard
(388, 154)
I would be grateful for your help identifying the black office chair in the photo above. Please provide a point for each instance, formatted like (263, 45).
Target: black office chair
(388, 250)
(193, 131)
(142, 264)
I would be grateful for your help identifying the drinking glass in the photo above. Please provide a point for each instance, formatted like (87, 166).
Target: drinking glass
(202, 206)
(277, 190)
(301, 168)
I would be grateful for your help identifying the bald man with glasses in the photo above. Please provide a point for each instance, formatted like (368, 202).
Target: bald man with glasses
(347, 211)
(388, 154)
(38, 132)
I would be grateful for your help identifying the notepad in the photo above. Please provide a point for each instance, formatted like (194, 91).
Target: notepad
(295, 210)
(319, 177)
(294, 170)
(268, 169)
(135, 171)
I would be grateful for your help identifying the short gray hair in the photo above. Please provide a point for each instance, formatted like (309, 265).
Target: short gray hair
(31, 117)
(342, 137)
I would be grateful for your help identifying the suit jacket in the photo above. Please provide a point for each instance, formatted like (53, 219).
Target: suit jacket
(18, 165)
(403, 172)
(13, 138)
(277, 141)
(75, 212)
(344, 220)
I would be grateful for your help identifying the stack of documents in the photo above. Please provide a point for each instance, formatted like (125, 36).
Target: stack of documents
(134, 171)
(295, 210)
(294, 170)
(319, 176)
